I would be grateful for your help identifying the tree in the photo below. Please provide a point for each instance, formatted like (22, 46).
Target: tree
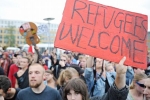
(10, 37)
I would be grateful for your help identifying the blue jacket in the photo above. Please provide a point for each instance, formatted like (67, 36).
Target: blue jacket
(100, 82)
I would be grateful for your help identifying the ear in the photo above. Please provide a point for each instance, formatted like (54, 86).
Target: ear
(44, 77)
(9, 89)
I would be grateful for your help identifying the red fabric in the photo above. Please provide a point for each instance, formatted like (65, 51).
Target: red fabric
(5, 65)
(30, 50)
(13, 69)
(45, 67)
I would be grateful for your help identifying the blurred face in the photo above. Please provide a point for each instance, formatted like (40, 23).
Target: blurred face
(83, 63)
(4, 56)
(24, 62)
(139, 86)
(110, 68)
(48, 76)
(15, 60)
(36, 76)
(72, 95)
(19, 57)
(147, 89)
(24, 54)
(63, 59)
(99, 62)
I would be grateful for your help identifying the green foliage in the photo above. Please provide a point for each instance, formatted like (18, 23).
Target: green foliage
(10, 37)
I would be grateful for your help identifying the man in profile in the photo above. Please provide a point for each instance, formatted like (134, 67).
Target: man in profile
(38, 90)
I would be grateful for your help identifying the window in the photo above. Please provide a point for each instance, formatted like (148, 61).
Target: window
(1, 31)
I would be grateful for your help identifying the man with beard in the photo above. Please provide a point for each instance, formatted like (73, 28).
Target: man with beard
(38, 90)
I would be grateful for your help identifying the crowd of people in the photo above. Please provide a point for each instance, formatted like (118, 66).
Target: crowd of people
(69, 76)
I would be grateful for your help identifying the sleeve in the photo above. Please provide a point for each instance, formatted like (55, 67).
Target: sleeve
(89, 77)
(10, 75)
(114, 94)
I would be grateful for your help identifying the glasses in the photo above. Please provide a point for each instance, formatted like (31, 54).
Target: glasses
(141, 85)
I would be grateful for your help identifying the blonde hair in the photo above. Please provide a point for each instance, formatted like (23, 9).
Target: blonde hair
(82, 57)
(67, 73)
(64, 55)
(62, 76)
(137, 77)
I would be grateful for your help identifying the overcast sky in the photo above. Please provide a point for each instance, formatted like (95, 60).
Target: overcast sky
(37, 10)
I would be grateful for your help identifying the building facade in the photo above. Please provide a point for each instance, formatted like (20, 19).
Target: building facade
(9, 30)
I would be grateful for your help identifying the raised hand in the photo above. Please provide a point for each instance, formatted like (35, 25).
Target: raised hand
(121, 68)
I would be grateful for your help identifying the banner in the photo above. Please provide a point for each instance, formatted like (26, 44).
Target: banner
(104, 32)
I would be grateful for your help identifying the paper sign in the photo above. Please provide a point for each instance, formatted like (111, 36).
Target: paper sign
(104, 32)
(43, 29)
(26, 26)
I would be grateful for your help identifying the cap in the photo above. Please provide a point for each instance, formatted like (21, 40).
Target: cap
(79, 70)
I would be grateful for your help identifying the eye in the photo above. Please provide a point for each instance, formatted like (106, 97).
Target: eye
(68, 93)
(77, 93)
(30, 72)
(37, 72)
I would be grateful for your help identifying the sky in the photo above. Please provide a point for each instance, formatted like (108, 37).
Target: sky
(37, 10)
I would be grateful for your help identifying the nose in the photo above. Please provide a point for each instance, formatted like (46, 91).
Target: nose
(145, 91)
(73, 97)
(32, 75)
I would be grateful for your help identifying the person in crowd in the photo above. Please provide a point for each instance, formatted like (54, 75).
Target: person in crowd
(14, 68)
(97, 78)
(79, 70)
(51, 80)
(5, 63)
(65, 76)
(75, 89)
(110, 67)
(5, 84)
(137, 87)
(24, 54)
(22, 80)
(119, 89)
(54, 61)
(83, 61)
(147, 89)
(46, 57)
(62, 65)
(43, 64)
(38, 90)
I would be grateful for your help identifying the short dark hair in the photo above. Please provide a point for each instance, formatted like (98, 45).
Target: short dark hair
(78, 86)
(5, 83)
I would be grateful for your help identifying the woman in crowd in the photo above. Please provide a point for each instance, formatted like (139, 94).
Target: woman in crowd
(75, 89)
(65, 76)
(51, 80)
(137, 87)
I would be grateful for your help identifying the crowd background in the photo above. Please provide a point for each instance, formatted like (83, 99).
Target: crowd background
(97, 74)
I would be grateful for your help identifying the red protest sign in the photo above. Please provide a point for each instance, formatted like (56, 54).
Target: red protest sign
(104, 32)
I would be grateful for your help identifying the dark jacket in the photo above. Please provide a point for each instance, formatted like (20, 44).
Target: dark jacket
(57, 70)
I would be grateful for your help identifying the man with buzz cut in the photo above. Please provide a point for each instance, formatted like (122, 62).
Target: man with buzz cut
(38, 90)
